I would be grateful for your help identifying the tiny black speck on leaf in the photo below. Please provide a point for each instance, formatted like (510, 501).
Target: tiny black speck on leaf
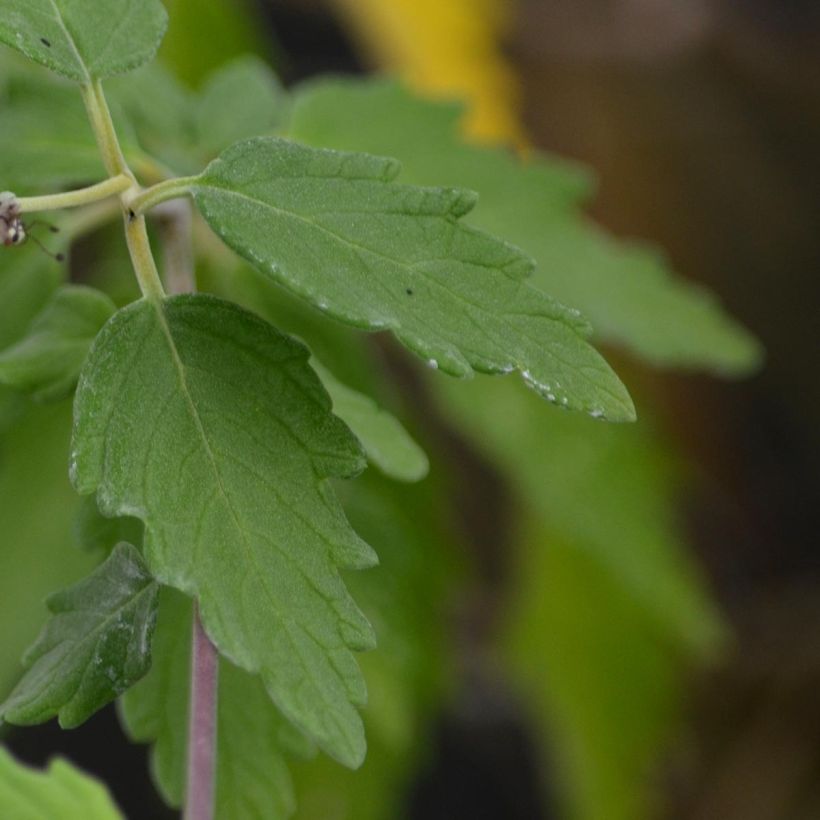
(131, 215)
(409, 291)
(45, 42)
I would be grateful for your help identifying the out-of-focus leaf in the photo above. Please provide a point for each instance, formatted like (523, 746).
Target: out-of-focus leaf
(84, 40)
(184, 129)
(408, 675)
(96, 645)
(62, 791)
(161, 112)
(626, 291)
(209, 425)
(47, 361)
(386, 443)
(45, 139)
(28, 278)
(608, 610)
(37, 507)
(231, 29)
(96, 533)
(252, 777)
(243, 99)
(336, 230)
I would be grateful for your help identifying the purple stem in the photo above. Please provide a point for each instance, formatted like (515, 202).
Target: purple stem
(199, 801)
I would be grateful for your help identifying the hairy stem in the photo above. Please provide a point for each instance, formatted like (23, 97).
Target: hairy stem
(136, 233)
(104, 132)
(199, 799)
(72, 199)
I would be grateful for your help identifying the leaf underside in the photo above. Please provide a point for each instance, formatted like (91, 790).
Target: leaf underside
(206, 423)
(84, 40)
(96, 645)
(335, 229)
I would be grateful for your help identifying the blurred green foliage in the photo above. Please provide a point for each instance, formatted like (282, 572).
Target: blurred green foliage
(605, 612)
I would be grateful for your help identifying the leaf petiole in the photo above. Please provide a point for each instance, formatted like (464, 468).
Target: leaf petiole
(161, 192)
(73, 199)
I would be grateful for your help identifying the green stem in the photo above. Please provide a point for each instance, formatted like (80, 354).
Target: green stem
(103, 126)
(72, 199)
(159, 193)
(136, 234)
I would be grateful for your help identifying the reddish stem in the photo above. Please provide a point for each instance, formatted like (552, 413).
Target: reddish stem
(199, 801)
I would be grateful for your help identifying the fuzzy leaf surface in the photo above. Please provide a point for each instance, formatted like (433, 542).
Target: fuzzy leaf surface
(625, 289)
(61, 791)
(385, 441)
(252, 777)
(84, 40)
(97, 644)
(338, 231)
(208, 424)
(47, 361)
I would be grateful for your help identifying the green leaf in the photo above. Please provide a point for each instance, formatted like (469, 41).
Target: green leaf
(252, 777)
(62, 791)
(47, 362)
(37, 504)
(185, 130)
(28, 278)
(94, 648)
(162, 113)
(336, 230)
(626, 290)
(46, 141)
(607, 610)
(207, 423)
(96, 533)
(84, 40)
(243, 99)
(386, 443)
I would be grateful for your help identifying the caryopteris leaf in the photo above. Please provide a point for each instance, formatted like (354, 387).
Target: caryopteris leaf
(47, 362)
(626, 290)
(84, 40)
(97, 644)
(386, 443)
(61, 791)
(209, 425)
(335, 229)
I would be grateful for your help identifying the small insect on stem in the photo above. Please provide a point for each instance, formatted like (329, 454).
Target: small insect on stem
(13, 231)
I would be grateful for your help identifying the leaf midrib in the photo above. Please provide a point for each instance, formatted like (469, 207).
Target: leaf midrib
(58, 16)
(285, 621)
